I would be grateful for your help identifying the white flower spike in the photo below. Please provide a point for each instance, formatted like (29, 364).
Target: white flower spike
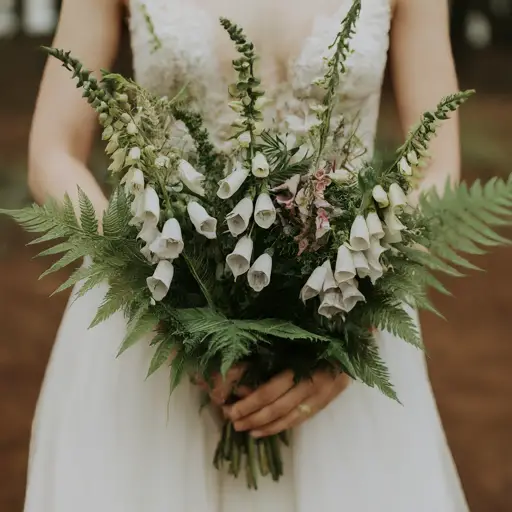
(340, 176)
(380, 196)
(345, 269)
(192, 179)
(361, 264)
(392, 221)
(374, 226)
(314, 284)
(205, 224)
(160, 282)
(332, 304)
(133, 156)
(118, 160)
(238, 219)
(264, 211)
(169, 245)
(351, 295)
(230, 184)
(239, 261)
(260, 273)
(244, 139)
(359, 234)
(260, 166)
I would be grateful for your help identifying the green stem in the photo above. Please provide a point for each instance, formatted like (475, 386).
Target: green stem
(195, 275)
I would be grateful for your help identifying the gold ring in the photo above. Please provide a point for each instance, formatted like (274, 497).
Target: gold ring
(305, 409)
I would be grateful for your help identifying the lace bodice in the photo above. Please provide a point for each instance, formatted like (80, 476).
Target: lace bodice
(188, 55)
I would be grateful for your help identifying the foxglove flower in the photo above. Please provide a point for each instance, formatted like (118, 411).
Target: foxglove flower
(264, 211)
(205, 224)
(113, 143)
(405, 167)
(238, 219)
(392, 221)
(260, 272)
(391, 237)
(192, 179)
(374, 224)
(329, 281)
(169, 244)
(133, 156)
(229, 185)
(260, 166)
(351, 295)
(118, 160)
(314, 284)
(412, 157)
(359, 234)
(332, 304)
(162, 161)
(244, 139)
(160, 282)
(345, 269)
(397, 198)
(361, 264)
(288, 191)
(340, 176)
(133, 181)
(239, 261)
(304, 151)
(380, 196)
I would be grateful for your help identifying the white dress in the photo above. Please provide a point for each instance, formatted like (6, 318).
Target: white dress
(107, 440)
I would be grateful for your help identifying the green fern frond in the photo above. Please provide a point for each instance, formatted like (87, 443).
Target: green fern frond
(164, 349)
(142, 323)
(115, 216)
(78, 275)
(71, 256)
(88, 219)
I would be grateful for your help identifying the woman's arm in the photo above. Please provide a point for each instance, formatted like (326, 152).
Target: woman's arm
(64, 124)
(423, 72)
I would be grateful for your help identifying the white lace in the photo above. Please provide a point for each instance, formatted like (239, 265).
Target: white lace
(187, 57)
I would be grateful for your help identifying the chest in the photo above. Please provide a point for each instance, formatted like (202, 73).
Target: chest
(291, 39)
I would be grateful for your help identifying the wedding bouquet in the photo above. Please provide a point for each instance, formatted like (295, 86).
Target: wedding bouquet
(282, 252)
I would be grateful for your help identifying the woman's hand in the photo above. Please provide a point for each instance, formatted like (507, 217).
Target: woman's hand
(280, 404)
(222, 387)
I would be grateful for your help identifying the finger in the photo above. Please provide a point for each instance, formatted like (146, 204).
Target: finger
(223, 386)
(293, 419)
(262, 396)
(278, 409)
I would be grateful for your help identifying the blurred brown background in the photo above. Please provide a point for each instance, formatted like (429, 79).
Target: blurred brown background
(470, 354)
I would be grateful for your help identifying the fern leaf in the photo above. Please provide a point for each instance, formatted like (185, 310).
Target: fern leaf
(141, 324)
(162, 354)
(78, 275)
(71, 256)
(112, 303)
(88, 219)
(57, 249)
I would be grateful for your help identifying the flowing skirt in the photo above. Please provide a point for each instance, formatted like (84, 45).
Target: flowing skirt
(105, 439)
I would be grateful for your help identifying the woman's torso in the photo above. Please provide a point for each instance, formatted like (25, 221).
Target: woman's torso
(291, 39)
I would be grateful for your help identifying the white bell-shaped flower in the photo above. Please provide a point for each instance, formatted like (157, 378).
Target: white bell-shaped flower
(150, 215)
(332, 304)
(380, 196)
(351, 295)
(392, 221)
(264, 211)
(204, 223)
(133, 156)
(239, 261)
(259, 274)
(329, 281)
(137, 210)
(397, 197)
(191, 178)
(314, 284)
(146, 252)
(375, 228)
(340, 176)
(133, 181)
(162, 161)
(230, 184)
(169, 244)
(345, 269)
(149, 232)
(160, 282)
(359, 234)
(244, 139)
(238, 219)
(412, 157)
(405, 167)
(304, 151)
(260, 166)
(113, 143)
(361, 264)
(391, 237)
(118, 160)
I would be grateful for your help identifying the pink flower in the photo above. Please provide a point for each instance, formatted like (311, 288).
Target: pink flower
(289, 188)
(322, 223)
